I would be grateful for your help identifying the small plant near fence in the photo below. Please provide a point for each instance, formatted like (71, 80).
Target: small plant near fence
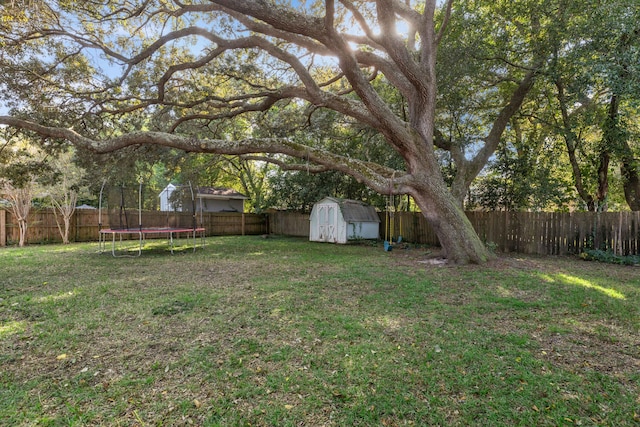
(609, 257)
(598, 249)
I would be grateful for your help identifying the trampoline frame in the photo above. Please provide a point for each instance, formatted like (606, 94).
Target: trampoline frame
(142, 235)
(142, 232)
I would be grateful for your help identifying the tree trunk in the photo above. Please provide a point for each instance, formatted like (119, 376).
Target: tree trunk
(577, 177)
(572, 141)
(22, 224)
(460, 242)
(617, 138)
(67, 226)
(630, 179)
(603, 181)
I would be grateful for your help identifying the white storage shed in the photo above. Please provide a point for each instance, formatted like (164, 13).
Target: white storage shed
(340, 220)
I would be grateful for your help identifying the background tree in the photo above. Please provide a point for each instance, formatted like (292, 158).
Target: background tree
(20, 202)
(299, 190)
(298, 185)
(594, 59)
(64, 192)
(23, 171)
(528, 172)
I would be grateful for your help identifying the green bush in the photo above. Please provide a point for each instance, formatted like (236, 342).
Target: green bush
(609, 257)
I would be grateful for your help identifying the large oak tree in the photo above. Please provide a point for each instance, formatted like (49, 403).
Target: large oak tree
(109, 75)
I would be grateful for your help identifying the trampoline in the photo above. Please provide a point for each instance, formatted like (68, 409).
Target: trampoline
(129, 222)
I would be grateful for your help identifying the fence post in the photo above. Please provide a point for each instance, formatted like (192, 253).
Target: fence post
(3, 227)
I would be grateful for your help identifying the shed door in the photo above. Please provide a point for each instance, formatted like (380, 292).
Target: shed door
(327, 222)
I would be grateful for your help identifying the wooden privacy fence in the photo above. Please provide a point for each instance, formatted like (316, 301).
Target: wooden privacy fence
(522, 232)
(559, 233)
(85, 224)
(541, 233)
(288, 223)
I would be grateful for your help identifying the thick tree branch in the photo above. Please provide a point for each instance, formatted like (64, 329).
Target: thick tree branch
(395, 47)
(374, 175)
(288, 166)
(468, 170)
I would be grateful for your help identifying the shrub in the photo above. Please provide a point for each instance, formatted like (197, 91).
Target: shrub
(609, 257)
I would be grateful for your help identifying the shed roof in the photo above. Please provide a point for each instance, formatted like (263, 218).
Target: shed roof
(355, 210)
(220, 193)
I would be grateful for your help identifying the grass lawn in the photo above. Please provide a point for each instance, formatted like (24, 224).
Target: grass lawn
(284, 332)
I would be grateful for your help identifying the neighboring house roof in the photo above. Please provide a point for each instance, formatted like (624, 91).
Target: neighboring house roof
(355, 210)
(220, 193)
